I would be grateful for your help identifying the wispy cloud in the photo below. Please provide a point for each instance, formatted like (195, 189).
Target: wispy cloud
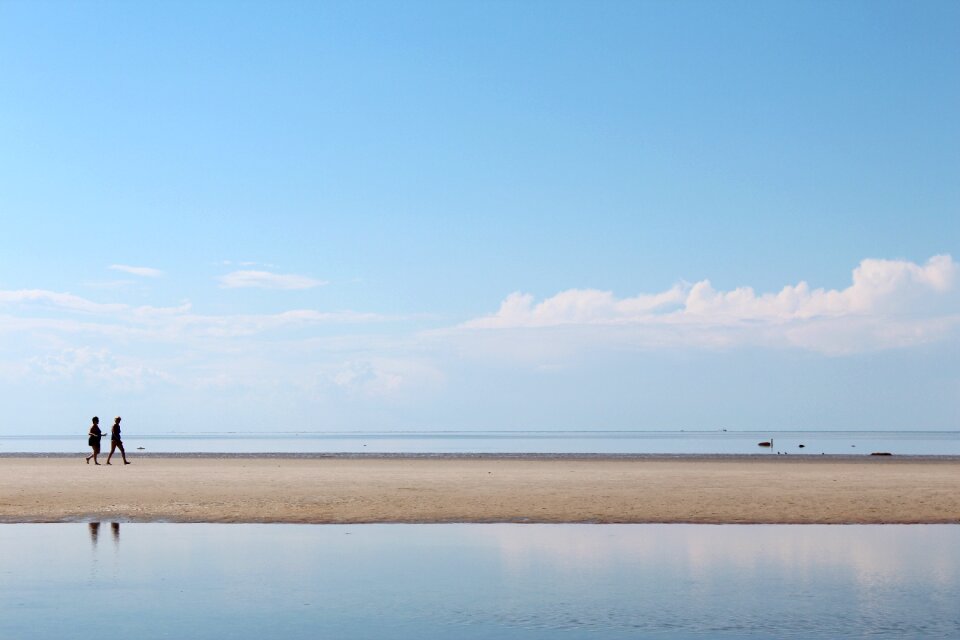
(150, 322)
(97, 366)
(267, 280)
(107, 285)
(308, 356)
(65, 301)
(246, 263)
(383, 377)
(143, 272)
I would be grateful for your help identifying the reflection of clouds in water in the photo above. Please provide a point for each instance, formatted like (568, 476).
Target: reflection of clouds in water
(569, 547)
(874, 555)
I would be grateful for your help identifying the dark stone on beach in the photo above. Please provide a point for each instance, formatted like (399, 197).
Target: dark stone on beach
(881, 453)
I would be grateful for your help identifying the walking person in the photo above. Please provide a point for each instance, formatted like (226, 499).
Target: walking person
(93, 439)
(116, 442)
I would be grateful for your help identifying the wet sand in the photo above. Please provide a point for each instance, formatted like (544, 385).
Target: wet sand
(353, 490)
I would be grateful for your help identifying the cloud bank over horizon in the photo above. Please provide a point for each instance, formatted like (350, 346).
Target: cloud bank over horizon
(889, 303)
(376, 368)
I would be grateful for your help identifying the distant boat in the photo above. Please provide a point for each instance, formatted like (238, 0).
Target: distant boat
(768, 443)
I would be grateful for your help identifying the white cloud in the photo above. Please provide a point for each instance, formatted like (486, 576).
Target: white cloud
(879, 287)
(889, 303)
(144, 272)
(578, 306)
(267, 280)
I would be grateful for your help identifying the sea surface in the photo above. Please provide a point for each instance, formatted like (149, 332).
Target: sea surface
(924, 443)
(95, 580)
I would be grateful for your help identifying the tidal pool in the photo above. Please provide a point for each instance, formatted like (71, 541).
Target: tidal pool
(91, 580)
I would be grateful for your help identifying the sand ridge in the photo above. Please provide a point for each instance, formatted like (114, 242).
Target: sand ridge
(762, 489)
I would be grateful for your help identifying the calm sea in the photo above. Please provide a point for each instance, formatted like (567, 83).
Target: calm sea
(146, 581)
(506, 442)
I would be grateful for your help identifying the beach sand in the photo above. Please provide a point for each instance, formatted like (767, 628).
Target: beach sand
(356, 490)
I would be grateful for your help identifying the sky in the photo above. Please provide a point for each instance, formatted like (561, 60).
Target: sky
(285, 216)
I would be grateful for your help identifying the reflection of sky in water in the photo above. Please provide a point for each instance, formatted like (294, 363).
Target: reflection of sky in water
(478, 581)
(676, 442)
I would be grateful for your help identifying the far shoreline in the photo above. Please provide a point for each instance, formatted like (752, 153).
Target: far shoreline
(359, 455)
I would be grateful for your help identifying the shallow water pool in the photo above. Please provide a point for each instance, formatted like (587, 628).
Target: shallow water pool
(90, 580)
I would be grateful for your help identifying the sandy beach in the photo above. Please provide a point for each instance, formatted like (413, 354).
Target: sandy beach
(356, 490)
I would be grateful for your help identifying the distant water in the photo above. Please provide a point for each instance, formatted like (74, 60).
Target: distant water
(511, 582)
(507, 442)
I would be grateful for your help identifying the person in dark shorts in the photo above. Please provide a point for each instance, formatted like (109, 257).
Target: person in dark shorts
(116, 442)
(93, 439)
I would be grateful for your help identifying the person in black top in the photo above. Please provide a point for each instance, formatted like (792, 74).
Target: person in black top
(116, 442)
(93, 439)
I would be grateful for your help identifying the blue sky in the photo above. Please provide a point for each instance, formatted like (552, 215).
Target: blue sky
(263, 216)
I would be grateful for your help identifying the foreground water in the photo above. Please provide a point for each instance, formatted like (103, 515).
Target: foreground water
(478, 581)
(506, 442)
